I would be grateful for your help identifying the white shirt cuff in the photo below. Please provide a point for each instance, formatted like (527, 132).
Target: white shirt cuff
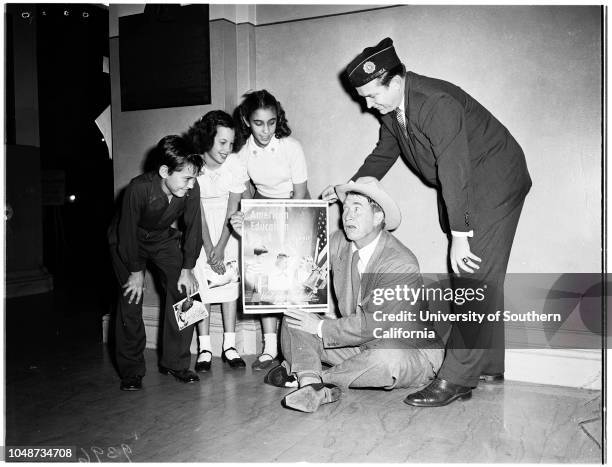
(462, 234)
(320, 330)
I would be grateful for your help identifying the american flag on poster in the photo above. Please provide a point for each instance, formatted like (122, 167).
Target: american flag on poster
(320, 255)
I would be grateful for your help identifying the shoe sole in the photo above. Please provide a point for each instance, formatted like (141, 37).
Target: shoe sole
(308, 400)
(464, 396)
(235, 366)
(488, 379)
(130, 389)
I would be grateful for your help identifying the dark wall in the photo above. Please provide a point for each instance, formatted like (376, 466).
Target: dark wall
(73, 90)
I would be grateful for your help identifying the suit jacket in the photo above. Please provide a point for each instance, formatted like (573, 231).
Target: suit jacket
(391, 264)
(457, 146)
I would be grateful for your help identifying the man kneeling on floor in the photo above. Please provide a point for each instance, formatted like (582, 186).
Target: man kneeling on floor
(365, 348)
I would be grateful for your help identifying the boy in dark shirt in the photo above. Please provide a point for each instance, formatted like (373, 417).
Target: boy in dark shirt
(142, 233)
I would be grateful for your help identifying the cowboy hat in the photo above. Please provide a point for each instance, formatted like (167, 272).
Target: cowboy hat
(371, 187)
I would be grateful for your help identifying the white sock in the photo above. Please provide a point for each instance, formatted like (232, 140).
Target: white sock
(229, 340)
(204, 342)
(270, 346)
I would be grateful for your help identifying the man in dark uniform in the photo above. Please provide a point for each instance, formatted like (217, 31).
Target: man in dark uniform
(479, 170)
(142, 232)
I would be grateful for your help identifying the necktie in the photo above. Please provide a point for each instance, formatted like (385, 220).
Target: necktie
(399, 115)
(355, 279)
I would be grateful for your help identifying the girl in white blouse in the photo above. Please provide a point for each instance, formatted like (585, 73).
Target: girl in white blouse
(276, 165)
(222, 181)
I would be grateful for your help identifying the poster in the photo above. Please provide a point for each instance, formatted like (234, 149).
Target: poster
(284, 255)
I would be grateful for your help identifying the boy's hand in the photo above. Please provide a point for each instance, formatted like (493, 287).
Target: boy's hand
(237, 220)
(134, 286)
(187, 280)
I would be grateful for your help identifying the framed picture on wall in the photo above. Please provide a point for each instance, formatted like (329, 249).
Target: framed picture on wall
(284, 255)
(164, 56)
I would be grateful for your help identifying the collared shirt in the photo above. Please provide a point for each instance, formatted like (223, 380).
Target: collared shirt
(277, 167)
(229, 177)
(365, 253)
(146, 217)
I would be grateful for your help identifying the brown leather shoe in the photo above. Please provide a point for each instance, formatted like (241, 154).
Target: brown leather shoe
(439, 392)
(492, 378)
(308, 398)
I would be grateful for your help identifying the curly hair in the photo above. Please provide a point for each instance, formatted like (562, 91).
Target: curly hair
(202, 133)
(256, 100)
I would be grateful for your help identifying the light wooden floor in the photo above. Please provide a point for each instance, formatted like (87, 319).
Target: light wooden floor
(73, 398)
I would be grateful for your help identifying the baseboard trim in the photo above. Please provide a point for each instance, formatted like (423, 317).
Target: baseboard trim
(249, 339)
(579, 368)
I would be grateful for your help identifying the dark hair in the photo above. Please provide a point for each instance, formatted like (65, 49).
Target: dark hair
(375, 206)
(202, 133)
(262, 99)
(175, 153)
(397, 70)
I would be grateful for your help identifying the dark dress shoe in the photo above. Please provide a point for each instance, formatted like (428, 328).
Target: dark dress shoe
(492, 378)
(259, 364)
(131, 383)
(204, 366)
(184, 376)
(310, 397)
(236, 362)
(279, 377)
(439, 392)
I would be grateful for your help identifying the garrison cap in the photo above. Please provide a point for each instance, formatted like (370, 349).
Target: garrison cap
(372, 62)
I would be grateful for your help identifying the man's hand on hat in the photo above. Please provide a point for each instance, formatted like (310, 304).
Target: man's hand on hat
(329, 194)
(461, 256)
(302, 320)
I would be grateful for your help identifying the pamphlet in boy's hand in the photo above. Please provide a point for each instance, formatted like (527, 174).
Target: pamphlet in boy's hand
(189, 311)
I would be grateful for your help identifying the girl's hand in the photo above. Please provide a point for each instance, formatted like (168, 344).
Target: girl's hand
(237, 220)
(219, 254)
(210, 253)
(217, 266)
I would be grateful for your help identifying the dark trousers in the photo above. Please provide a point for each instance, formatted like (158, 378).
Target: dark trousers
(167, 259)
(474, 349)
